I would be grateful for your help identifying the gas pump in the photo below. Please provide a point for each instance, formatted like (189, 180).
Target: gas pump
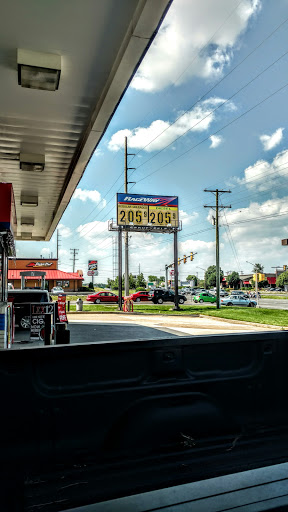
(7, 249)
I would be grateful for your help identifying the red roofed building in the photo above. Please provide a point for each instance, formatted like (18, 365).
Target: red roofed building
(70, 281)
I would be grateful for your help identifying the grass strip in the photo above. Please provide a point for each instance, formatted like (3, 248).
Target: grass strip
(261, 315)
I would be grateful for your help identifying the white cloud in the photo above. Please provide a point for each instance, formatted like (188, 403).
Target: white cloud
(162, 133)
(45, 251)
(270, 141)
(216, 140)
(194, 41)
(91, 195)
(64, 231)
(186, 218)
(262, 174)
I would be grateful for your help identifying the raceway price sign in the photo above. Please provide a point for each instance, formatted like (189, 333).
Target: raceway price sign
(147, 210)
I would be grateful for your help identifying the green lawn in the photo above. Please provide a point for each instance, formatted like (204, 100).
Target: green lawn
(262, 316)
(274, 297)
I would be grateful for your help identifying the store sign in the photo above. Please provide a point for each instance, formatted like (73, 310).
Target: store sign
(92, 265)
(46, 308)
(139, 210)
(37, 327)
(62, 308)
(92, 273)
(38, 312)
(39, 264)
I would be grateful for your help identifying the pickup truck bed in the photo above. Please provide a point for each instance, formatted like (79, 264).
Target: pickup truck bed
(83, 424)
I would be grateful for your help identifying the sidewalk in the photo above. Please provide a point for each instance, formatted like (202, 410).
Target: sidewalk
(181, 326)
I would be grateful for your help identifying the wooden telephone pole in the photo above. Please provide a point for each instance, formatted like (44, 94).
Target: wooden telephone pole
(216, 207)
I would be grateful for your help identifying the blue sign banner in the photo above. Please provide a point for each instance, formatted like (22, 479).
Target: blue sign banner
(147, 199)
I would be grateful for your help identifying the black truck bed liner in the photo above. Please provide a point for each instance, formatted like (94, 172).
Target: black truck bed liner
(82, 424)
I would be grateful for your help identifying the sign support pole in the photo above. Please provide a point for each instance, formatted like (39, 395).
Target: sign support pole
(176, 307)
(166, 276)
(120, 268)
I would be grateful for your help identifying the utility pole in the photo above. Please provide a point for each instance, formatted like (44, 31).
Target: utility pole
(126, 232)
(216, 208)
(75, 253)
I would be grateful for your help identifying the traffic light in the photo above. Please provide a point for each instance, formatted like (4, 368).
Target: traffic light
(284, 268)
(184, 258)
(191, 256)
(178, 261)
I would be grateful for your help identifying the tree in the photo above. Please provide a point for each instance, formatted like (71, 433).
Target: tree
(282, 279)
(258, 268)
(191, 277)
(233, 279)
(140, 281)
(210, 276)
(263, 283)
(153, 278)
(132, 281)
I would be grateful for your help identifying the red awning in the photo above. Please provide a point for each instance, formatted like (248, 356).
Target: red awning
(271, 280)
(57, 275)
(246, 282)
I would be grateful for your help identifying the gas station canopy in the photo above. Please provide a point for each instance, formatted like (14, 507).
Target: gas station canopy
(64, 66)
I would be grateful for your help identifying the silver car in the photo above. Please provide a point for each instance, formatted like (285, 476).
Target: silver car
(238, 300)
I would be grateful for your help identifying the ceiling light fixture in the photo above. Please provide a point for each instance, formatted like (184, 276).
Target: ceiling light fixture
(27, 221)
(29, 200)
(38, 70)
(26, 235)
(32, 162)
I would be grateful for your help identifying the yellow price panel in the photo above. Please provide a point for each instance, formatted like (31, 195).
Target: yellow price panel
(132, 214)
(163, 215)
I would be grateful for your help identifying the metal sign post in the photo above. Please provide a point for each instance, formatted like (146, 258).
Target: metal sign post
(120, 268)
(176, 306)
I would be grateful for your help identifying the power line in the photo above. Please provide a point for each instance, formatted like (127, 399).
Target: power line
(217, 131)
(208, 92)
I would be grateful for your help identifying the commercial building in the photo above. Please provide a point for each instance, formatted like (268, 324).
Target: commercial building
(70, 281)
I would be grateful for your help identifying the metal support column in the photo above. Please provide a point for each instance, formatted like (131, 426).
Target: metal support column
(166, 276)
(120, 268)
(176, 307)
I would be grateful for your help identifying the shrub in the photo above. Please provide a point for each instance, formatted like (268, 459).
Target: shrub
(140, 289)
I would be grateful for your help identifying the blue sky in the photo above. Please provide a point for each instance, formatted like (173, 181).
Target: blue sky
(204, 54)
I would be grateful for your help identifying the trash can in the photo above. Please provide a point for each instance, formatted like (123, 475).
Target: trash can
(79, 304)
(62, 334)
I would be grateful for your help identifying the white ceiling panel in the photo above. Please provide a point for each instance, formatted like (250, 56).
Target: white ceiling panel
(101, 43)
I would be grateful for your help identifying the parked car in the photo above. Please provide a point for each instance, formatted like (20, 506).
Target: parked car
(223, 293)
(22, 301)
(278, 289)
(205, 297)
(160, 296)
(56, 290)
(238, 300)
(103, 297)
(140, 296)
(240, 292)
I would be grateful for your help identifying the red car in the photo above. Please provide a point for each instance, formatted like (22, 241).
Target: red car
(139, 296)
(103, 297)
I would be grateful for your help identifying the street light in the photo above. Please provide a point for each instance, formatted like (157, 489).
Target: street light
(256, 283)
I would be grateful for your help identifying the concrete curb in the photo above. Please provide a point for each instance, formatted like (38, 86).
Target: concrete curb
(124, 313)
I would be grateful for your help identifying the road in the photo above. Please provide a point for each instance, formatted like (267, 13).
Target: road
(264, 303)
